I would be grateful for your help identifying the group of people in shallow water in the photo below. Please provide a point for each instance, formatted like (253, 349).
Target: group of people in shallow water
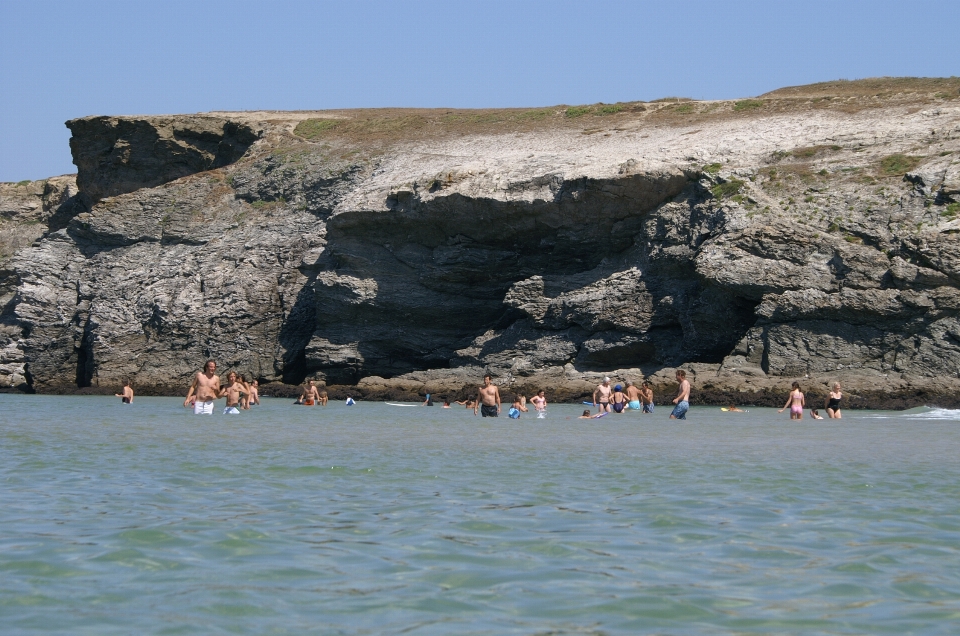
(606, 399)
(796, 401)
(206, 388)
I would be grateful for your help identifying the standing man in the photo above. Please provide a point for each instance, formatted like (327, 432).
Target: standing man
(488, 398)
(646, 396)
(601, 396)
(682, 400)
(633, 396)
(254, 396)
(310, 395)
(126, 396)
(204, 389)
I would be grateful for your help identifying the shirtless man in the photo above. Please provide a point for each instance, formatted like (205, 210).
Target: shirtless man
(254, 396)
(601, 396)
(488, 398)
(310, 395)
(682, 400)
(126, 396)
(204, 389)
(646, 397)
(633, 396)
(232, 391)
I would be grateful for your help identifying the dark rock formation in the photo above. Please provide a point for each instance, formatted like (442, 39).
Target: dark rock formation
(116, 155)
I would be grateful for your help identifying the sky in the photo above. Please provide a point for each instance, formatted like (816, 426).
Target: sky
(72, 58)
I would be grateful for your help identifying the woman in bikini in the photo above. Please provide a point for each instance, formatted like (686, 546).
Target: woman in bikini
(795, 402)
(833, 402)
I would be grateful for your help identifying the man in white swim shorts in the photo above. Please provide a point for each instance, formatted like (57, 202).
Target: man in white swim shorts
(204, 390)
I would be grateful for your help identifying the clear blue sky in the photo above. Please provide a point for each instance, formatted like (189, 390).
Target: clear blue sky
(70, 58)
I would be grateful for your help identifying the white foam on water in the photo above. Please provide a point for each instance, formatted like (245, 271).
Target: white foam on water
(934, 414)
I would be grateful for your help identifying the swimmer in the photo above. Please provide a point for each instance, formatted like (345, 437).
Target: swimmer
(815, 415)
(586, 415)
(254, 393)
(833, 402)
(204, 390)
(126, 394)
(324, 398)
(633, 396)
(350, 401)
(646, 397)
(446, 404)
(428, 401)
(733, 409)
(618, 400)
(488, 398)
(232, 392)
(795, 402)
(682, 400)
(601, 396)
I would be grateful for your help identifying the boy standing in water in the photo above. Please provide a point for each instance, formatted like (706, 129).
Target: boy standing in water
(682, 400)
(126, 396)
(232, 391)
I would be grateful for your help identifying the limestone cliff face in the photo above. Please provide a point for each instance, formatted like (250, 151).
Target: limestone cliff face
(791, 237)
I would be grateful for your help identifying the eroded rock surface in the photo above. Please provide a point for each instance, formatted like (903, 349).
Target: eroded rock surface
(810, 243)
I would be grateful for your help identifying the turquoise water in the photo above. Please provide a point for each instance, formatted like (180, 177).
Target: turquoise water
(376, 519)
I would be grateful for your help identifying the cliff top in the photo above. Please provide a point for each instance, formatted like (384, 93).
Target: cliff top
(385, 126)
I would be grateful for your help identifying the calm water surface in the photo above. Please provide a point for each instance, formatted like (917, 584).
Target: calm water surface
(376, 519)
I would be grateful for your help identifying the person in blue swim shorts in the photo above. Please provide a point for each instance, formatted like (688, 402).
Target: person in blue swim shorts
(646, 397)
(682, 400)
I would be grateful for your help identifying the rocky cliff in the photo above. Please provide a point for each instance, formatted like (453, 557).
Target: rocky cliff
(810, 233)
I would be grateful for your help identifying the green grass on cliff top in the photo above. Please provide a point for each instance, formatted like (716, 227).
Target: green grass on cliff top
(387, 125)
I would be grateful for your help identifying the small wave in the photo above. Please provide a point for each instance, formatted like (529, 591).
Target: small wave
(933, 414)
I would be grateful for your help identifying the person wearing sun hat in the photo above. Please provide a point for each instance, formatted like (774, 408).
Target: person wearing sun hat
(618, 400)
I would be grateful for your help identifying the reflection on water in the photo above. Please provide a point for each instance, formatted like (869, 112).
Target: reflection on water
(379, 519)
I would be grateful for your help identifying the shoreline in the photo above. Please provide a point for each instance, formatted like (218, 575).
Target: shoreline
(860, 393)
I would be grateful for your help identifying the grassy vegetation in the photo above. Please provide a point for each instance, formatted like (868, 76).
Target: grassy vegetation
(685, 109)
(849, 238)
(313, 128)
(747, 104)
(712, 168)
(809, 152)
(728, 189)
(577, 111)
(896, 165)
(23, 183)
(609, 109)
(951, 211)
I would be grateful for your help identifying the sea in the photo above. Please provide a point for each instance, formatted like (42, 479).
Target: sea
(381, 519)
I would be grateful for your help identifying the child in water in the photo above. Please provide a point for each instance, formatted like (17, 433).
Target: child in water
(514, 412)
(795, 402)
